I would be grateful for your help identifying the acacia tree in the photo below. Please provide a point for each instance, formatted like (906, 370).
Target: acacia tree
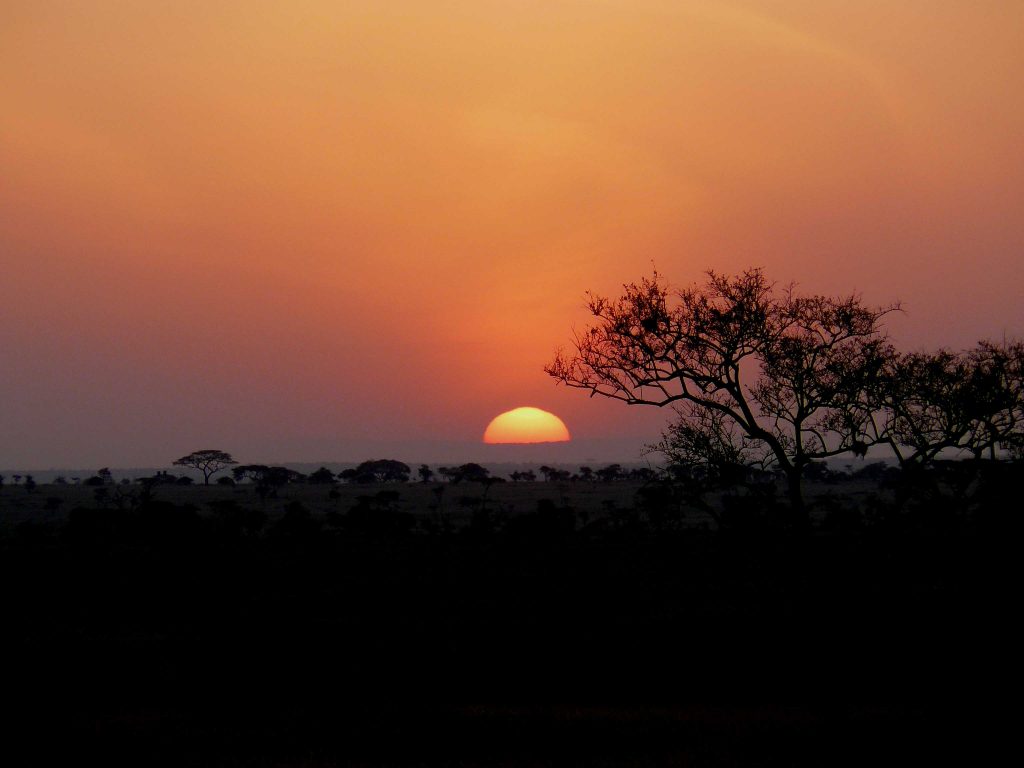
(207, 461)
(758, 375)
(967, 402)
(378, 471)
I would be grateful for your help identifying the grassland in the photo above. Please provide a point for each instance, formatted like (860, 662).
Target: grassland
(553, 623)
(591, 501)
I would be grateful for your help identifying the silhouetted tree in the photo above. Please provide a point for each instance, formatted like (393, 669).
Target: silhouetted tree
(760, 375)
(380, 471)
(251, 472)
(553, 474)
(425, 473)
(30, 483)
(208, 461)
(527, 476)
(610, 473)
(471, 473)
(970, 402)
(322, 476)
(267, 479)
(261, 474)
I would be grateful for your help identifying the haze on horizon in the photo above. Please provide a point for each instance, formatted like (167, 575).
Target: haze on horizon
(288, 230)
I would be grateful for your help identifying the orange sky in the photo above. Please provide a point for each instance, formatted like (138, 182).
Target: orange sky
(288, 228)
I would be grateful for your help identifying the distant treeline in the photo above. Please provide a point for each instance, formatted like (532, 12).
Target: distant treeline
(371, 471)
(394, 471)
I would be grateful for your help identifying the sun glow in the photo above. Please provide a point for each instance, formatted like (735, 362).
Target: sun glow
(526, 425)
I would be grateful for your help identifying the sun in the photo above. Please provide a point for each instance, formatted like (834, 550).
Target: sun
(526, 425)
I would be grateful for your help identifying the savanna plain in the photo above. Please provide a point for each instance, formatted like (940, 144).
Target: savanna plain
(632, 621)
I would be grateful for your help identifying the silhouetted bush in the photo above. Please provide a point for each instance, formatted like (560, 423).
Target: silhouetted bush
(554, 474)
(322, 476)
(549, 521)
(378, 471)
(662, 503)
(470, 473)
(236, 520)
(378, 515)
(166, 525)
(296, 523)
(756, 508)
(839, 516)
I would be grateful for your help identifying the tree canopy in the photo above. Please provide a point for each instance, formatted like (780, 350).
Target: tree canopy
(378, 471)
(968, 402)
(757, 374)
(208, 461)
(760, 375)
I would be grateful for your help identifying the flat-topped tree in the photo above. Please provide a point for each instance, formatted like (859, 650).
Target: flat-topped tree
(758, 375)
(207, 461)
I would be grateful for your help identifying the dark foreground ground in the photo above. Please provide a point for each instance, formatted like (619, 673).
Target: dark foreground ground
(183, 631)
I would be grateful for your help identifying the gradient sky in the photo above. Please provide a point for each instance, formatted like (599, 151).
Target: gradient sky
(286, 229)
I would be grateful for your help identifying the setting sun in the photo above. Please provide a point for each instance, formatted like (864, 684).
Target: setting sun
(526, 425)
